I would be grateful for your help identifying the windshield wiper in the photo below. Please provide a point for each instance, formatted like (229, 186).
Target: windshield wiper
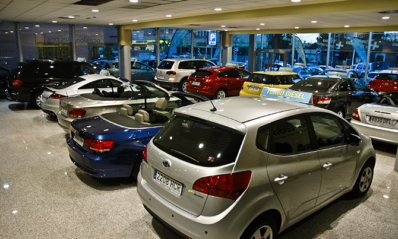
(182, 154)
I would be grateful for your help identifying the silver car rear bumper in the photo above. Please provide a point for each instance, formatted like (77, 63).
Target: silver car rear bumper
(63, 121)
(376, 132)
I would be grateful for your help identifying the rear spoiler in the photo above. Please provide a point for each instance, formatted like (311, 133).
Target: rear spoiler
(289, 95)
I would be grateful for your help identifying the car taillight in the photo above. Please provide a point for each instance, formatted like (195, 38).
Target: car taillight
(57, 96)
(77, 113)
(355, 115)
(321, 100)
(171, 73)
(99, 145)
(372, 83)
(145, 154)
(208, 80)
(225, 186)
(16, 84)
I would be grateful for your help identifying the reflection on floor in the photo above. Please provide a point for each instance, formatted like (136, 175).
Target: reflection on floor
(43, 195)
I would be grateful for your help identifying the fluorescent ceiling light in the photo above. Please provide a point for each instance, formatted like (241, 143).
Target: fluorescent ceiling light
(226, 30)
(84, 27)
(71, 17)
(313, 21)
(135, 20)
(257, 29)
(54, 21)
(385, 18)
(217, 9)
(296, 0)
(169, 15)
(297, 27)
(222, 25)
(37, 25)
(133, 0)
(262, 24)
(59, 30)
(110, 24)
(95, 10)
(346, 25)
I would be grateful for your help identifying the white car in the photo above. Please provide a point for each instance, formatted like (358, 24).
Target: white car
(50, 99)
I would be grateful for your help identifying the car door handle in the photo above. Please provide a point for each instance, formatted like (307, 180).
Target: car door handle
(281, 179)
(327, 165)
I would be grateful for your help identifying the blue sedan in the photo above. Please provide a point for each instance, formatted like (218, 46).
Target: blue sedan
(111, 145)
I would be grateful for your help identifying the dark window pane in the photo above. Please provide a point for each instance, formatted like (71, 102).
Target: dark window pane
(328, 130)
(202, 74)
(166, 64)
(260, 78)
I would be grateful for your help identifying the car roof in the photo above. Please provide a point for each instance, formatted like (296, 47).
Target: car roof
(241, 109)
(388, 72)
(274, 73)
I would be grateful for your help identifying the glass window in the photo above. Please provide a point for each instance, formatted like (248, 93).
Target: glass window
(88, 69)
(244, 74)
(70, 83)
(199, 142)
(345, 86)
(290, 135)
(314, 84)
(229, 74)
(291, 79)
(90, 85)
(262, 140)
(166, 64)
(103, 83)
(260, 78)
(207, 64)
(9, 54)
(202, 74)
(383, 76)
(114, 83)
(328, 130)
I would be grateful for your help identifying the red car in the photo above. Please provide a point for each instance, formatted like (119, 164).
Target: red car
(386, 81)
(217, 82)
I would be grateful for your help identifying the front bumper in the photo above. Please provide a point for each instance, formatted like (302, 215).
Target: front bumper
(377, 132)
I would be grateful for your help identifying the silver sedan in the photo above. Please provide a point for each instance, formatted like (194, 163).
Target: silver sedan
(139, 95)
(251, 167)
(379, 120)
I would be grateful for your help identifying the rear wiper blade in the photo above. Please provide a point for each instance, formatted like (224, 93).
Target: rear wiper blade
(178, 152)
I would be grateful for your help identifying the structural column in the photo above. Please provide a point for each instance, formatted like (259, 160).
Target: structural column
(124, 42)
(227, 47)
(72, 27)
(252, 52)
(18, 31)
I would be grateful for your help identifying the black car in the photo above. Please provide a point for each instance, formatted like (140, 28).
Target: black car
(27, 82)
(3, 76)
(341, 95)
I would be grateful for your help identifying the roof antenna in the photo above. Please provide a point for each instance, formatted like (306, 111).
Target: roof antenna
(214, 108)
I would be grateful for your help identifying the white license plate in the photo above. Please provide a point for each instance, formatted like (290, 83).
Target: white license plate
(379, 120)
(160, 77)
(79, 140)
(64, 111)
(170, 184)
(253, 88)
(195, 83)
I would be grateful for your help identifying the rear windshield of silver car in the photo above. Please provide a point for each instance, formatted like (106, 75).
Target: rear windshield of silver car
(314, 84)
(166, 65)
(69, 83)
(199, 142)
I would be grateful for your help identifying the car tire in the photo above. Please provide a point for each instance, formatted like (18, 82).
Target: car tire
(340, 111)
(35, 101)
(136, 169)
(364, 181)
(221, 94)
(183, 85)
(262, 227)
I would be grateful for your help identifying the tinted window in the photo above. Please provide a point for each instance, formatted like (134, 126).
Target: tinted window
(292, 78)
(69, 83)
(229, 74)
(262, 139)
(206, 64)
(314, 84)
(166, 64)
(244, 74)
(260, 78)
(290, 135)
(387, 77)
(202, 74)
(103, 83)
(360, 87)
(114, 83)
(88, 69)
(328, 130)
(345, 86)
(91, 85)
(198, 142)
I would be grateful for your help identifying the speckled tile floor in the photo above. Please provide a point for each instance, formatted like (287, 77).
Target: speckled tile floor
(43, 195)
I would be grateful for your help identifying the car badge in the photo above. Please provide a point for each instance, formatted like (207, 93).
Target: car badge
(166, 164)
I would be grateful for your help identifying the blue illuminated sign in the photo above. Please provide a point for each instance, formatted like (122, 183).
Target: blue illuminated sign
(212, 39)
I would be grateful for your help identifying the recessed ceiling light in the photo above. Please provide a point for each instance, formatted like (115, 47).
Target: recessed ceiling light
(222, 25)
(71, 17)
(54, 21)
(135, 20)
(59, 30)
(37, 25)
(26, 27)
(385, 18)
(262, 24)
(96, 34)
(346, 25)
(84, 27)
(11, 31)
(110, 24)
(218, 9)
(313, 21)
(296, 0)
(226, 30)
(49, 31)
(133, 0)
(257, 29)
(5, 186)
(41, 33)
(297, 27)
(169, 15)
(95, 10)
(6, 32)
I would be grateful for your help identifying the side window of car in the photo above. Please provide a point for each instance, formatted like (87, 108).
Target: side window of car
(106, 66)
(114, 83)
(243, 74)
(184, 65)
(262, 140)
(86, 69)
(359, 87)
(290, 135)
(345, 86)
(103, 83)
(91, 85)
(328, 130)
(197, 64)
(291, 79)
(228, 74)
(206, 64)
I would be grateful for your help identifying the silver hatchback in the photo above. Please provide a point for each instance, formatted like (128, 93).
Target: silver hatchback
(251, 167)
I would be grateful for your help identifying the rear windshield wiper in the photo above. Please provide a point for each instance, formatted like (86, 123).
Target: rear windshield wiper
(182, 154)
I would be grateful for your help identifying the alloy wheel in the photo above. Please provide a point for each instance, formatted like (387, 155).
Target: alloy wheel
(366, 179)
(221, 94)
(264, 232)
(38, 100)
(184, 86)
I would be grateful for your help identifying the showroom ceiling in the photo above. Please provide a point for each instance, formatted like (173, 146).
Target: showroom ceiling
(237, 16)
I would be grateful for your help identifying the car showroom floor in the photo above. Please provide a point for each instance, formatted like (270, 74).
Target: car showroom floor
(43, 195)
